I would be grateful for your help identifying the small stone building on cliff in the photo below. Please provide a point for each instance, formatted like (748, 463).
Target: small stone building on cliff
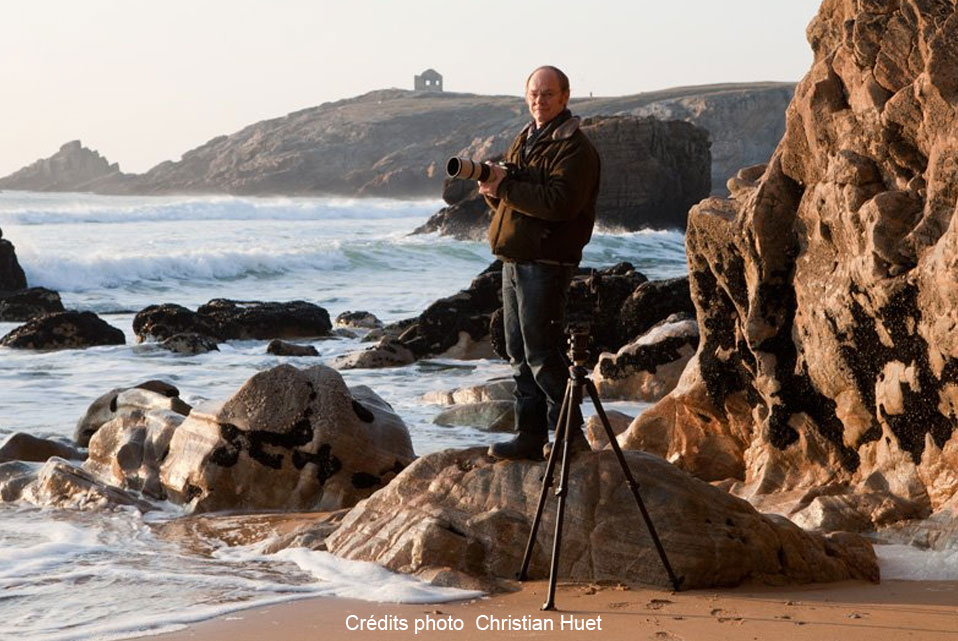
(428, 80)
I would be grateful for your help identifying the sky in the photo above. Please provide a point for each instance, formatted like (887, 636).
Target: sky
(142, 82)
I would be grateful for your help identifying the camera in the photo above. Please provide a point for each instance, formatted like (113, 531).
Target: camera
(465, 169)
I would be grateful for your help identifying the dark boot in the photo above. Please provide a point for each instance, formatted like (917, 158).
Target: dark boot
(525, 445)
(579, 443)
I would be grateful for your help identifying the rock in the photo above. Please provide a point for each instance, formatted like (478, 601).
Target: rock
(127, 451)
(744, 123)
(825, 289)
(648, 368)
(393, 330)
(243, 320)
(203, 534)
(649, 304)
(146, 397)
(495, 390)
(358, 320)
(488, 416)
(388, 352)
(282, 348)
(64, 330)
(225, 320)
(468, 348)
(14, 477)
(460, 513)
(73, 168)
(26, 304)
(12, 277)
(190, 344)
(160, 322)
(442, 325)
(652, 171)
(595, 431)
(937, 532)
(289, 439)
(26, 447)
(497, 334)
(60, 484)
(686, 429)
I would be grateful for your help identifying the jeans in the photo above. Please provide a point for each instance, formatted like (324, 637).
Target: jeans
(533, 304)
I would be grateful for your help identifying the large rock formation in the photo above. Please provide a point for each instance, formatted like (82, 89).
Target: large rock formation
(652, 173)
(826, 290)
(289, 439)
(457, 517)
(395, 143)
(73, 168)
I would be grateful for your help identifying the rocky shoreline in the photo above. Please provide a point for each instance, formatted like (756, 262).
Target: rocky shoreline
(294, 440)
(810, 404)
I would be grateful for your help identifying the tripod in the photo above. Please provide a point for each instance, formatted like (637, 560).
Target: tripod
(579, 381)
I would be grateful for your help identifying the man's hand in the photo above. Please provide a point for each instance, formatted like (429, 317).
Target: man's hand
(491, 186)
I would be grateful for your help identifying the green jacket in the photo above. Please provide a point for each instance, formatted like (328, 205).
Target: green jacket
(545, 210)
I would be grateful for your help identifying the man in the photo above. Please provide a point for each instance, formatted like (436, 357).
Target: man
(544, 214)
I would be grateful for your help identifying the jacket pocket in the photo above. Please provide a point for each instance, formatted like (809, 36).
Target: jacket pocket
(519, 236)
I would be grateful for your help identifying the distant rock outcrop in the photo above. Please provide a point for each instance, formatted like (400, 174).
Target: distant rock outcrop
(825, 288)
(652, 173)
(73, 168)
(394, 143)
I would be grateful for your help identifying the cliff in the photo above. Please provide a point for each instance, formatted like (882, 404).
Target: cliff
(826, 378)
(394, 143)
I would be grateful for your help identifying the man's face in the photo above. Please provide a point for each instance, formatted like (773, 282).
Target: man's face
(544, 97)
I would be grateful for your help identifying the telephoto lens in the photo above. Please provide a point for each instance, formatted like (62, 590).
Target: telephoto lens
(465, 169)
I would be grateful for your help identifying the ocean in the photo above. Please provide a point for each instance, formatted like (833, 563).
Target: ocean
(109, 575)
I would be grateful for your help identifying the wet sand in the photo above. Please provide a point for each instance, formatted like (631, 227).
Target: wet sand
(849, 611)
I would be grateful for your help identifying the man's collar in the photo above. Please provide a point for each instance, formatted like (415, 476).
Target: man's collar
(559, 128)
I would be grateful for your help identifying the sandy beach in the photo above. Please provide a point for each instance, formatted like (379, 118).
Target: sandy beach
(850, 611)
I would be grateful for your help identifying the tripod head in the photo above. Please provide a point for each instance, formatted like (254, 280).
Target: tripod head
(581, 314)
(578, 345)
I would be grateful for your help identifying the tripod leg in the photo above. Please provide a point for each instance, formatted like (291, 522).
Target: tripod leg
(546, 483)
(574, 395)
(633, 484)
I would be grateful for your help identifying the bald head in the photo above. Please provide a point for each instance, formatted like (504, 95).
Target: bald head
(547, 94)
(561, 78)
